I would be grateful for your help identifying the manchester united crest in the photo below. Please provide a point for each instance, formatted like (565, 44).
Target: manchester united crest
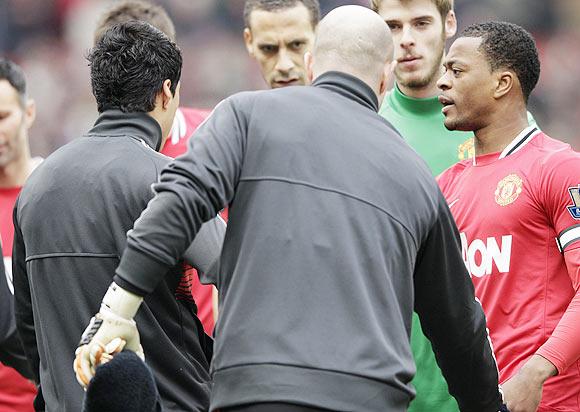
(466, 150)
(508, 189)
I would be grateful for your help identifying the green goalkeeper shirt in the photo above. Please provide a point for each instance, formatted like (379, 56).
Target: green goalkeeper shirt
(420, 122)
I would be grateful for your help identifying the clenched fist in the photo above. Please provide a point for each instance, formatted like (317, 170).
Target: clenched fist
(111, 330)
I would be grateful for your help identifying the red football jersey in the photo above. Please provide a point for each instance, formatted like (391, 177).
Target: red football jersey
(514, 210)
(185, 122)
(16, 392)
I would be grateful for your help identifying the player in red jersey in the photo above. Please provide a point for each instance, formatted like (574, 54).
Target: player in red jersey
(277, 34)
(17, 114)
(517, 206)
(185, 122)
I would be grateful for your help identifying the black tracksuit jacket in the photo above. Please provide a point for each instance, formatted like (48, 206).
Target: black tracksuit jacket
(336, 232)
(71, 222)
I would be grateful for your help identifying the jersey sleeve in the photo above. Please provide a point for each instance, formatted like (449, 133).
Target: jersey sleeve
(559, 193)
(562, 349)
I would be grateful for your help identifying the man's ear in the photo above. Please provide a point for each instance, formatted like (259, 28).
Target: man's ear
(29, 113)
(166, 94)
(505, 83)
(450, 25)
(248, 41)
(387, 74)
(308, 63)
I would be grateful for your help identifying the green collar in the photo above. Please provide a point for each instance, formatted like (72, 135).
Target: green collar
(403, 104)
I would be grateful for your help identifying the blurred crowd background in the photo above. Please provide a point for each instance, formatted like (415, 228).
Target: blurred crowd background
(50, 39)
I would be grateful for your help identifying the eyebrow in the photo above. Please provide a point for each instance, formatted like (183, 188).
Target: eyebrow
(275, 43)
(299, 39)
(450, 63)
(414, 19)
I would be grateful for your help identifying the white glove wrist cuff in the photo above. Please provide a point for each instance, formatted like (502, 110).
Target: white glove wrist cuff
(121, 302)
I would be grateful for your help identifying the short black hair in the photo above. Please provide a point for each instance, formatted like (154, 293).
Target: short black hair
(141, 10)
(129, 64)
(13, 74)
(509, 46)
(313, 7)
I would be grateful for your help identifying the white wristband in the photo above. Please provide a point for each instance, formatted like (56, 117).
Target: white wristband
(121, 302)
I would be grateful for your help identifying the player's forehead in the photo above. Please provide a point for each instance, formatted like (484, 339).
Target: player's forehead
(8, 94)
(404, 11)
(283, 24)
(466, 51)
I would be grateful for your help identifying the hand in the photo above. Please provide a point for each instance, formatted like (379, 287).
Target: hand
(109, 331)
(106, 335)
(523, 392)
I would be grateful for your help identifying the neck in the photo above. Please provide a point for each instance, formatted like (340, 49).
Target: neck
(16, 173)
(499, 133)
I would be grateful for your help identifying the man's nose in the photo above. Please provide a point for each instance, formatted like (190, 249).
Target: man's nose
(285, 63)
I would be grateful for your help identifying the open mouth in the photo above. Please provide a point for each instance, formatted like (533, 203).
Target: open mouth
(446, 102)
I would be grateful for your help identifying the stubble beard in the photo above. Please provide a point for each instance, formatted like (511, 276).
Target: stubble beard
(432, 76)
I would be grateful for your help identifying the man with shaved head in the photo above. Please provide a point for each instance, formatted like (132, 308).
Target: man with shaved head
(336, 228)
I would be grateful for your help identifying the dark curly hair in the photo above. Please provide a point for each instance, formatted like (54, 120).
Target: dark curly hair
(129, 64)
(509, 46)
(313, 7)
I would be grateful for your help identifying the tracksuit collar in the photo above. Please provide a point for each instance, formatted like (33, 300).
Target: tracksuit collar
(137, 124)
(348, 86)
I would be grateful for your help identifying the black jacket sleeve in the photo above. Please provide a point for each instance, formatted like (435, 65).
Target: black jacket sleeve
(11, 352)
(453, 319)
(23, 301)
(6, 304)
(191, 190)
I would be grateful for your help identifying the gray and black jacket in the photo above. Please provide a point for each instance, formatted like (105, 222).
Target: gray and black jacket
(71, 221)
(337, 232)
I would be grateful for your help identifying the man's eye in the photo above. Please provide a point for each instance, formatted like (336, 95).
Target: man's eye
(296, 45)
(268, 49)
(422, 24)
(394, 26)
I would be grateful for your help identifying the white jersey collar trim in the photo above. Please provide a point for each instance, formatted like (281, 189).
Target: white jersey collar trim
(522, 139)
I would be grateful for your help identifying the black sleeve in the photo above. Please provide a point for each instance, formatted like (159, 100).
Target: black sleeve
(192, 189)
(453, 319)
(6, 303)
(23, 300)
(11, 351)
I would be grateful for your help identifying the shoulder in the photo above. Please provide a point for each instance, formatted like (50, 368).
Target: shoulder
(193, 114)
(555, 155)
(189, 119)
(449, 177)
(555, 166)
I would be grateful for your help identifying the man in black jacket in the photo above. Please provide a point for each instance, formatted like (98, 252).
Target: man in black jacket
(73, 215)
(337, 230)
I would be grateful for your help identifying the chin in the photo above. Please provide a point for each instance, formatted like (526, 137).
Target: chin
(414, 81)
(450, 125)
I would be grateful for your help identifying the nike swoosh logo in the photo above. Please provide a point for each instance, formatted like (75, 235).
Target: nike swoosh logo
(452, 203)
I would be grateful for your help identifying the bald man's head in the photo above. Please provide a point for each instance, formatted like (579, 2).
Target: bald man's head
(353, 40)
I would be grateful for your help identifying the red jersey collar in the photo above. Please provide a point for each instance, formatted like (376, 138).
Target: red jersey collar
(522, 139)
